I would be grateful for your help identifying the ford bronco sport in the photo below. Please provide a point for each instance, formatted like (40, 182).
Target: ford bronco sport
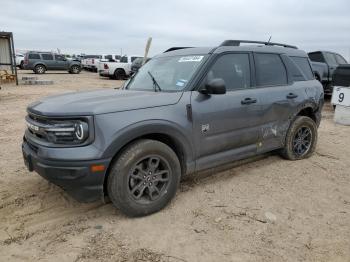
(186, 110)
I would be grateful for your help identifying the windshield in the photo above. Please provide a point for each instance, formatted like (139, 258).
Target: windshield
(169, 73)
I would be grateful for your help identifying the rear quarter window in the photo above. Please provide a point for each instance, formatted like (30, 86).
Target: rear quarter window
(303, 65)
(270, 70)
(34, 56)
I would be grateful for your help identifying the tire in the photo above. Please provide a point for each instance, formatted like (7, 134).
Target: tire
(39, 69)
(301, 139)
(74, 69)
(119, 74)
(21, 66)
(141, 168)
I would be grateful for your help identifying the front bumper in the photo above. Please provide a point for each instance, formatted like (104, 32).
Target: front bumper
(75, 177)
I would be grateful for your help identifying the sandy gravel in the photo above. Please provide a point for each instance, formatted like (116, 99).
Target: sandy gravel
(264, 209)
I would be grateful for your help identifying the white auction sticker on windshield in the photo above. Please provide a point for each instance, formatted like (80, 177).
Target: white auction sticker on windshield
(197, 58)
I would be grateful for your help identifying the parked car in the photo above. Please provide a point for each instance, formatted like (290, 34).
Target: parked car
(117, 70)
(324, 63)
(40, 62)
(19, 60)
(185, 111)
(136, 64)
(91, 62)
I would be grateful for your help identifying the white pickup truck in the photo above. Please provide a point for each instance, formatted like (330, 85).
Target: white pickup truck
(90, 62)
(117, 70)
(19, 60)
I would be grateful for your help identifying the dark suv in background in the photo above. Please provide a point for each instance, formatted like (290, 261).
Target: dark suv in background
(40, 62)
(185, 111)
(324, 63)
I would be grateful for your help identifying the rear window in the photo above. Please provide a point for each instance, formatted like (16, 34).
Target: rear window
(92, 56)
(317, 57)
(47, 56)
(304, 66)
(270, 70)
(33, 56)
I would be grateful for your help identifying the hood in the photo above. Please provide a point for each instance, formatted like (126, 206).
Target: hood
(101, 102)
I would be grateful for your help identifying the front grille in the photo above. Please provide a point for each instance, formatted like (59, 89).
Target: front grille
(51, 130)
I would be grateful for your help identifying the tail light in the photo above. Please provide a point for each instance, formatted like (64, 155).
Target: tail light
(105, 66)
(93, 61)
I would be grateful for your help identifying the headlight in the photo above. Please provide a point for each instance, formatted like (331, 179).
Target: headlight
(68, 132)
(74, 131)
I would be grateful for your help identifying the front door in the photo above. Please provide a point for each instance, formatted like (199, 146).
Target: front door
(226, 126)
(61, 62)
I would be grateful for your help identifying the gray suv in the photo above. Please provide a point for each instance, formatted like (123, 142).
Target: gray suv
(40, 62)
(184, 111)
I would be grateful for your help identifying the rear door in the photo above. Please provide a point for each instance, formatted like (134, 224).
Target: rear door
(48, 61)
(279, 97)
(226, 126)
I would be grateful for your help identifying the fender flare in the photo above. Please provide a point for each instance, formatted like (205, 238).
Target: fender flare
(152, 127)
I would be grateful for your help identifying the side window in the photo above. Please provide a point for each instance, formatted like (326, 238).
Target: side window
(33, 56)
(133, 58)
(108, 57)
(270, 70)
(124, 59)
(304, 66)
(317, 57)
(59, 57)
(234, 69)
(47, 56)
(117, 57)
(340, 59)
(330, 58)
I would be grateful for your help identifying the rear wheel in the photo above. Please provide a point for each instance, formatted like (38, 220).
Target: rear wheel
(74, 69)
(39, 69)
(21, 66)
(119, 74)
(301, 139)
(144, 178)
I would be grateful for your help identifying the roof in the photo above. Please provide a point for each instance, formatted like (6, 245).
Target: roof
(263, 48)
(5, 34)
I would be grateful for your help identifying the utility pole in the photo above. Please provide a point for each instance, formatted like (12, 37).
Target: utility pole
(148, 45)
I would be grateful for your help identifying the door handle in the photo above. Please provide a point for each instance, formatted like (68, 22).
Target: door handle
(248, 101)
(291, 96)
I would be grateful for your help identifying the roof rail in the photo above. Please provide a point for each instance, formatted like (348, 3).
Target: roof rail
(175, 48)
(239, 42)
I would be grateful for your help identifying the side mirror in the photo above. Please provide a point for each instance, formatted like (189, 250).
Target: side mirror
(215, 86)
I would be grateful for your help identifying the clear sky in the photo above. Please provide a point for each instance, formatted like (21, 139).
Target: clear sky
(106, 26)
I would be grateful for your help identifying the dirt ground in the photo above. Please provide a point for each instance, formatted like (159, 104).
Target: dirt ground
(267, 209)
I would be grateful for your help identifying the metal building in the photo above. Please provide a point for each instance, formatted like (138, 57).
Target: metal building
(7, 53)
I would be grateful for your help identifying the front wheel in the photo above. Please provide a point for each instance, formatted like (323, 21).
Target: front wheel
(144, 178)
(301, 139)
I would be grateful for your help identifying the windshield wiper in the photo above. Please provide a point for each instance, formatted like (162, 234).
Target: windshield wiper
(155, 83)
